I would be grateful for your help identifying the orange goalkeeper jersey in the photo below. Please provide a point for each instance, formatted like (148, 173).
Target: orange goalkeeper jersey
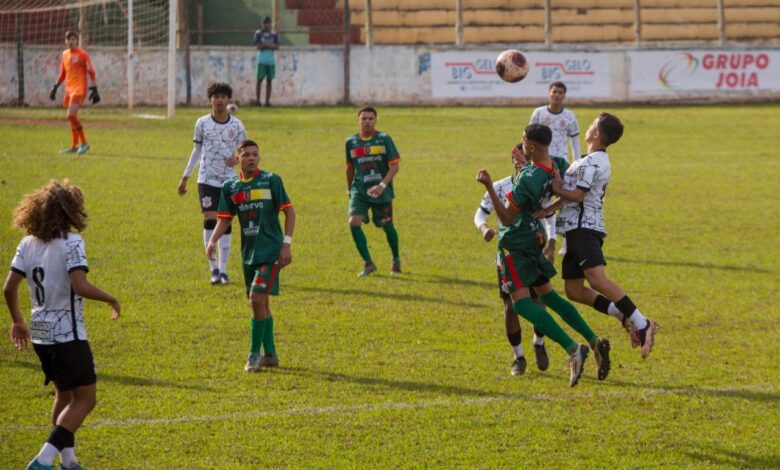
(75, 67)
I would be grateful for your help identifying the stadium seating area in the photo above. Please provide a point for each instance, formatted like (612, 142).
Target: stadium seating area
(572, 21)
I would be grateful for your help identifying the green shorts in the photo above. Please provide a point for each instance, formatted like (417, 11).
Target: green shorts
(526, 268)
(382, 213)
(264, 71)
(262, 278)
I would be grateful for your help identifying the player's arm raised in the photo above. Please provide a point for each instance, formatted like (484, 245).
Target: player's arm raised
(505, 214)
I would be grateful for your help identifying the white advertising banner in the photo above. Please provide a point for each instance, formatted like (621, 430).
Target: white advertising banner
(467, 74)
(669, 72)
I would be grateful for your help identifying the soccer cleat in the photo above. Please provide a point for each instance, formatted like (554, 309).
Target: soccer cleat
(601, 350)
(252, 362)
(35, 465)
(223, 278)
(369, 268)
(70, 150)
(518, 366)
(396, 267)
(647, 337)
(631, 330)
(542, 361)
(215, 276)
(269, 361)
(82, 149)
(577, 364)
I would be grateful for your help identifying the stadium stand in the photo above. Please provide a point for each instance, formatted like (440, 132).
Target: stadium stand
(572, 21)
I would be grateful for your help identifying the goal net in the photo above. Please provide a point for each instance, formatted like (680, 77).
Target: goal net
(130, 43)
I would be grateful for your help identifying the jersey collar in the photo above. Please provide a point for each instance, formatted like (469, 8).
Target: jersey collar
(367, 138)
(244, 179)
(552, 112)
(543, 167)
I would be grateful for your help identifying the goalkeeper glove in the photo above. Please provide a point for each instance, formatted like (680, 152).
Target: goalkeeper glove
(93, 95)
(53, 93)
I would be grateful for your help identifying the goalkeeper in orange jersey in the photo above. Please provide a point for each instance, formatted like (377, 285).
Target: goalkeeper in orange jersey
(75, 68)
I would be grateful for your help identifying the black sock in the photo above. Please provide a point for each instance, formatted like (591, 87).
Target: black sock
(538, 332)
(602, 304)
(61, 438)
(626, 306)
(514, 338)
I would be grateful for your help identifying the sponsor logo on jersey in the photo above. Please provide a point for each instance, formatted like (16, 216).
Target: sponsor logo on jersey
(251, 195)
(369, 150)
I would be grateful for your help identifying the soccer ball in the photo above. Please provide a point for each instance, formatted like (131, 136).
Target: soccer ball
(232, 108)
(512, 66)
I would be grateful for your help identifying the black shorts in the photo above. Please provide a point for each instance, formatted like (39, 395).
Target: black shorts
(69, 365)
(209, 197)
(583, 251)
(504, 296)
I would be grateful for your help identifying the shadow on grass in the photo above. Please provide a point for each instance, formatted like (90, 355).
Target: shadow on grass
(446, 280)
(123, 379)
(390, 295)
(744, 393)
(709, 454)
(691, 264)
(408, 385)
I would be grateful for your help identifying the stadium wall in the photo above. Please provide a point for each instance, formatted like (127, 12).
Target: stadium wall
(407, 75)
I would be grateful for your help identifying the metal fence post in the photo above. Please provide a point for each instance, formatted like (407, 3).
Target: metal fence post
(547, 24)
(721, 23)
(369, 25)
(345, 98)
(458, 22)
(638, 22)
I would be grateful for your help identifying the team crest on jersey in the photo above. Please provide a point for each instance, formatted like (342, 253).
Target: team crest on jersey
(206, 202)
(231, 134)
(74, 59)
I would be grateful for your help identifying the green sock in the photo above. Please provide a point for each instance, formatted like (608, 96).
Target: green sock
(257, 335)
(392, 240)
(570, 315)
(360, 242)
(268, 337)
(527, 309)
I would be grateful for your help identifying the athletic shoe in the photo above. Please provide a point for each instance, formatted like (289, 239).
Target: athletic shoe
(647, 337)
(82, 149)
(223, 278)
(252, 362)
(631, 330)
(369, 268)
(518, 367)
(70, 150)
(34, 465)
(542, 361)
(77, 467)
(601, 350)
(577, 363)
(396, 267)
(269, 361)
(215, 276)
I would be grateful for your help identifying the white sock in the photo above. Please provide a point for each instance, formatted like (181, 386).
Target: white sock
(538, 340)
(47, 454)
(206, 237)
(613, 311)
(68, 457)
(518, 350)
(224, 252)
(639, 320)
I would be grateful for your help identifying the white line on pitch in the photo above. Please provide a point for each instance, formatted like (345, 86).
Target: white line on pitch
(319, 410)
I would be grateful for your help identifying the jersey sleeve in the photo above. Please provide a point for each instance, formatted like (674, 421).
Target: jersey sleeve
(523, 192)
(391, 152)
(63, 70)
(486, 205)
(585, 175)
(346, 152)
(75, 254)
(534, 117)
(562, 164)
(226, 208)
(256, 39)
(279, 195)
(276, 38)
(574, 127)
(198, 138)
(89, 67)
(17, 264)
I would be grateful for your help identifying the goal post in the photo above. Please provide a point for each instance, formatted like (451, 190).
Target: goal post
(128, 40)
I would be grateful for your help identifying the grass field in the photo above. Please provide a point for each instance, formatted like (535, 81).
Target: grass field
(411, 371)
